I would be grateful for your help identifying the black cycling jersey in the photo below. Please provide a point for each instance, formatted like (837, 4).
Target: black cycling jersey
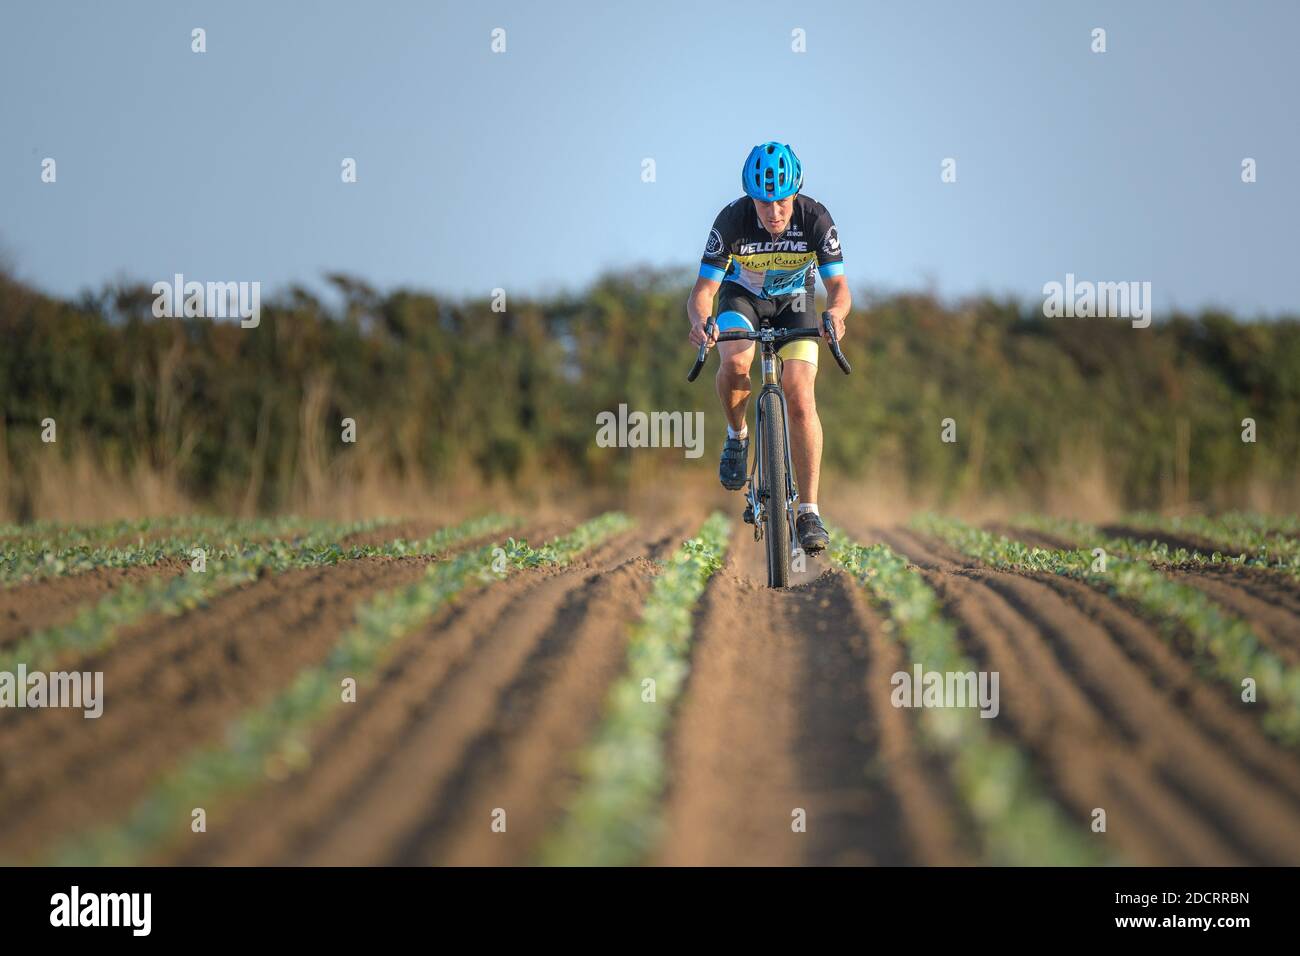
(741, 250)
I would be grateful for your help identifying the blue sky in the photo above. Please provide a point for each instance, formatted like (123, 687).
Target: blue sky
(523, 169)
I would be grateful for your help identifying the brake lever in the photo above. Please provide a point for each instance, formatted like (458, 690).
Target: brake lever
(828, 323)
(704, 351)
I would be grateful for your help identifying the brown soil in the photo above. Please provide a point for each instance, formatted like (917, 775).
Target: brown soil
(50, 602)
(1266, 600)
(1182, 539)
(786, 708)
(484, 708)
(172, 684)
(1114, 716)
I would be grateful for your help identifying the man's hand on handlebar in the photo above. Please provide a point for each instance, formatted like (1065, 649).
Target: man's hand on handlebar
(837, 322)
(698, 336)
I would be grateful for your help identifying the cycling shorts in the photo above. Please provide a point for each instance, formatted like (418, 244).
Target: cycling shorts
(738, 308)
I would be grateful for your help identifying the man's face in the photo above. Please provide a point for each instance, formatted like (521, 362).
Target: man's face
(775, 216)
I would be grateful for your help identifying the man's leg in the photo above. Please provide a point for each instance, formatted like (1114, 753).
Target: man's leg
(797, 380)
(733, 390)
(735, 358)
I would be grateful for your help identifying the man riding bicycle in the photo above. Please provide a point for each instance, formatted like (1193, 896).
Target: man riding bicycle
(761, 253)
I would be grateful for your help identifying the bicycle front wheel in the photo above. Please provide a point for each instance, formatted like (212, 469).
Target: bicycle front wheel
(777, 532)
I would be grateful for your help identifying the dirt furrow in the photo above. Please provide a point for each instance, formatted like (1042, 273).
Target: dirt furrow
(524, 761)
(1183, 539)
(1269, 603)
(50, 602)
(155, 669)
(96, 769)
(163, 659)
(783, 712)
(1035, 539)
(1259, 583)
(171, 684)
(406, 530)
(464, 715)
(1277, 627)
(1185, 798)
(1041, 707)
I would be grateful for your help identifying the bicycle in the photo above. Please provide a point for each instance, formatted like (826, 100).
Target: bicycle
(771, 470)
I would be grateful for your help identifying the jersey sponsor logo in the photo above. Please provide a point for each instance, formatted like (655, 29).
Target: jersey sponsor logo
(776, 260)
(783, 283)
(781, 245)
(766, 284)
(714, 246)
(831, 244)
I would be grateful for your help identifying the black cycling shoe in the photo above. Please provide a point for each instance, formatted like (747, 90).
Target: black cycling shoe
(812, 533)
(734, 464)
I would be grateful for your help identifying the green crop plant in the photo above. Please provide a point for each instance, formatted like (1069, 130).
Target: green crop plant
(1224, 645)
(1018, 824)
(615, 816)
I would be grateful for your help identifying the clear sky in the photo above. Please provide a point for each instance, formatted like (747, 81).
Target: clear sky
(523, 169)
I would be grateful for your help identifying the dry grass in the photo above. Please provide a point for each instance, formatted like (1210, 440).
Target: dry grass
(80, 488)
(83, 489)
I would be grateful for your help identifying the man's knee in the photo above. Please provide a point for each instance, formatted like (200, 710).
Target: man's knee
(797, 382)
(734, 363)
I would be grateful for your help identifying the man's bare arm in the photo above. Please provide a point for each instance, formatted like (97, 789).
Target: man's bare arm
(838, 302)
(699, 306)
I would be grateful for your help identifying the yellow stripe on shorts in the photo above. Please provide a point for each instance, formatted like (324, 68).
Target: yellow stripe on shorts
(803, 349)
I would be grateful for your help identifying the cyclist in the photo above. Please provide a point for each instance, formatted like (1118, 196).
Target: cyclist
(761, 253)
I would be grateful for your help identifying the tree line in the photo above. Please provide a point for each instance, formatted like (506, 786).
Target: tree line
(445, 390)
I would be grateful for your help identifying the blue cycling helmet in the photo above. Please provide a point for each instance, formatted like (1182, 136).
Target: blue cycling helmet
(772, 171)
